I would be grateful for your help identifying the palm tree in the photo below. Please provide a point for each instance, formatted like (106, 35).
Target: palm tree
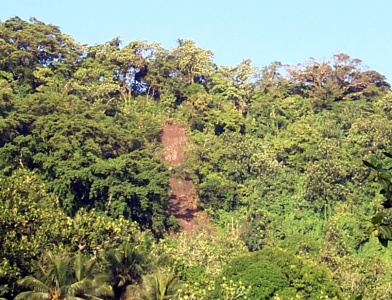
(160, 286)
(127, 266)
(62, 277)
(94, 283)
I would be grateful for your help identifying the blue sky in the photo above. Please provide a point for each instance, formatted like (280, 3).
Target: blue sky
(290, 31)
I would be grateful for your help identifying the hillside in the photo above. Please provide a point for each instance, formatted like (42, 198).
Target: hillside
(134, 170)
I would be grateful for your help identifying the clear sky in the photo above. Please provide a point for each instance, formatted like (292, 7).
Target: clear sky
(290, 31)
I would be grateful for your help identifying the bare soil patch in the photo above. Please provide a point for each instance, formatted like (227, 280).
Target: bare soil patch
(182, 199)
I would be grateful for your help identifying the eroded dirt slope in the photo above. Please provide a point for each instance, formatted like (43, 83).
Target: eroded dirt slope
(182, 198)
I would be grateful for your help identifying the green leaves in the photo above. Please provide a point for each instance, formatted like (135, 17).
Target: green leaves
(384, 234)
(192, 61)
(127, 265)
(62, 277)
(30, 221)
(378, 166)
(377, 219)
(280, 157)
(368, 164)
(27, 47)
(384, 177)
(276, 272)
(89, 159)
(160, 286)
(341, 79)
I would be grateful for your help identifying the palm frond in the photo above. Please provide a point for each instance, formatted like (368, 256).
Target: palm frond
(73, 298)
(160, 286)
(79, 288)
(31, 295)
(23, 295)
(33, 283)
(57, 269)
(104, 290)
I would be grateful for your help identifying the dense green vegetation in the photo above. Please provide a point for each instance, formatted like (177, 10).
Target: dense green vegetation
(276, 156)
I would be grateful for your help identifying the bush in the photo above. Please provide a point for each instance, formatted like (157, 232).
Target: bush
(273, 271)
(263, 277)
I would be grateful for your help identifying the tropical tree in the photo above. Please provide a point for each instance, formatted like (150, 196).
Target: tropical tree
(160, 286)
(235, 84)
(194, 63)
(342, 79)
(35, 53)
(126, 266)
(30, 221)
(74, 147)
(64, 277)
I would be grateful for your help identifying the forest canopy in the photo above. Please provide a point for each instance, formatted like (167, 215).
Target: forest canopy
(273, 155)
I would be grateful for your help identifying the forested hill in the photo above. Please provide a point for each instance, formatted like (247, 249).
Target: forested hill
(274, 154)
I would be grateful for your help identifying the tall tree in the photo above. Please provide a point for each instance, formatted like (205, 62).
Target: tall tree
(126, 266)
(30, 221)
(62, 277)
(27, 47)
(342, 79)
(235, 84)
(194, 64)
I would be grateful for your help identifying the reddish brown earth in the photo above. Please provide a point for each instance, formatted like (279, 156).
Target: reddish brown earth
(182, 198)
